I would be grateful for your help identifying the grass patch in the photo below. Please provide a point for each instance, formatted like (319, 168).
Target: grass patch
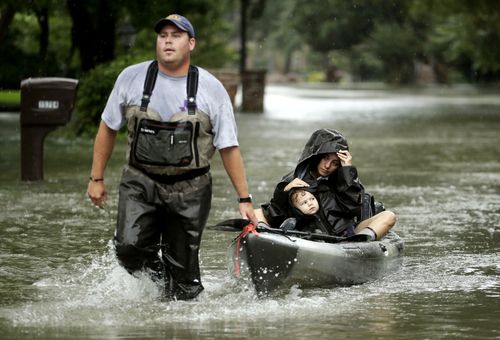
(10, 100)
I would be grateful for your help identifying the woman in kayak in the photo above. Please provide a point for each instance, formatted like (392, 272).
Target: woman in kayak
(326, 165)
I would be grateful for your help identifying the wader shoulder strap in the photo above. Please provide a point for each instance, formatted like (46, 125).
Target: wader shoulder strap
(192, 88)
(149, 84)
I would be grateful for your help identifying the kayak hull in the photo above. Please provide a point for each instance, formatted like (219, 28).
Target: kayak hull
(272, 261)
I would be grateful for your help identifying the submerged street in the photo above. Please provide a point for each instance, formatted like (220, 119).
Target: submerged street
(430, 155)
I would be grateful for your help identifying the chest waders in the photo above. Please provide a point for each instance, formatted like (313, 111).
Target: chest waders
(165, 191)
(174, 150)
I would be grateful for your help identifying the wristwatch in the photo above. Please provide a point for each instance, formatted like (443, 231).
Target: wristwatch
(245, 199)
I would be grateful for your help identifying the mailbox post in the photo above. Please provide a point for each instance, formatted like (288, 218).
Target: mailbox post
(46, 103)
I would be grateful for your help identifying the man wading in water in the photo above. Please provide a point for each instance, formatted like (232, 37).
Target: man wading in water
(177, 115)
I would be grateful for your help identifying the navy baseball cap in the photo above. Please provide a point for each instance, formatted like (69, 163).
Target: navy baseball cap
(177, 20)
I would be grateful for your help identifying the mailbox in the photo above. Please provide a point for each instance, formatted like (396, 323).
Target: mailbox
(46, 103)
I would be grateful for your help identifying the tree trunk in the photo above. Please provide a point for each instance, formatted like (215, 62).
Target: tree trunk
(82, 33)
(243, 35)
(106, 27)
(42, 15)
(93, 33)
(6, 17)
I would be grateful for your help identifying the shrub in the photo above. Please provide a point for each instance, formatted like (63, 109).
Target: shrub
(94, 89)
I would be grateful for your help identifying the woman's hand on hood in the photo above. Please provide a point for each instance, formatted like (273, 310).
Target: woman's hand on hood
(295, 183)
(345, 157)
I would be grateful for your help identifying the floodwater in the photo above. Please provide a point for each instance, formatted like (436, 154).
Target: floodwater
(431, 155)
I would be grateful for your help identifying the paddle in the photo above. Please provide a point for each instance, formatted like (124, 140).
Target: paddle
(237, 224)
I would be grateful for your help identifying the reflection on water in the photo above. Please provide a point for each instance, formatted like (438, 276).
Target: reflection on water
(432, 157)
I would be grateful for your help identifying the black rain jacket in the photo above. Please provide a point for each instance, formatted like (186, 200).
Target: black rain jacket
(340, 195)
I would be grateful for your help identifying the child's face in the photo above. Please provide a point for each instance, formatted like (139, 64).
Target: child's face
(306, 202)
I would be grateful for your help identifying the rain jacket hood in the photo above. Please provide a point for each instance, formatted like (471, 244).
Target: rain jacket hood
(321, 142)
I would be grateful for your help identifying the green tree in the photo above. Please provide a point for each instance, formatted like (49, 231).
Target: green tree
(74, 36)
(273, 37)
(397, 47)
(337, 25)
(24, 40)
(463, 34)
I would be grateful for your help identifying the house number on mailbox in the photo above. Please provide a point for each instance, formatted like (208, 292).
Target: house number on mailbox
(48, 104)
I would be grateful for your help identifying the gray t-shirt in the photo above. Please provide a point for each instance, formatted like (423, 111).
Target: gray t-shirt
(169, 97)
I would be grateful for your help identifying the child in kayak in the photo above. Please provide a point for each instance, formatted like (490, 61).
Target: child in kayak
(309, 217)
(326, 165)
(306, 213)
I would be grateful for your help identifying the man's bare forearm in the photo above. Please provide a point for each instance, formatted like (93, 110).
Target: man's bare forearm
(233, 163)
(103, 148)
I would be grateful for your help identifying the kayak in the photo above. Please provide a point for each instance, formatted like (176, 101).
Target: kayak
(273, 261)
